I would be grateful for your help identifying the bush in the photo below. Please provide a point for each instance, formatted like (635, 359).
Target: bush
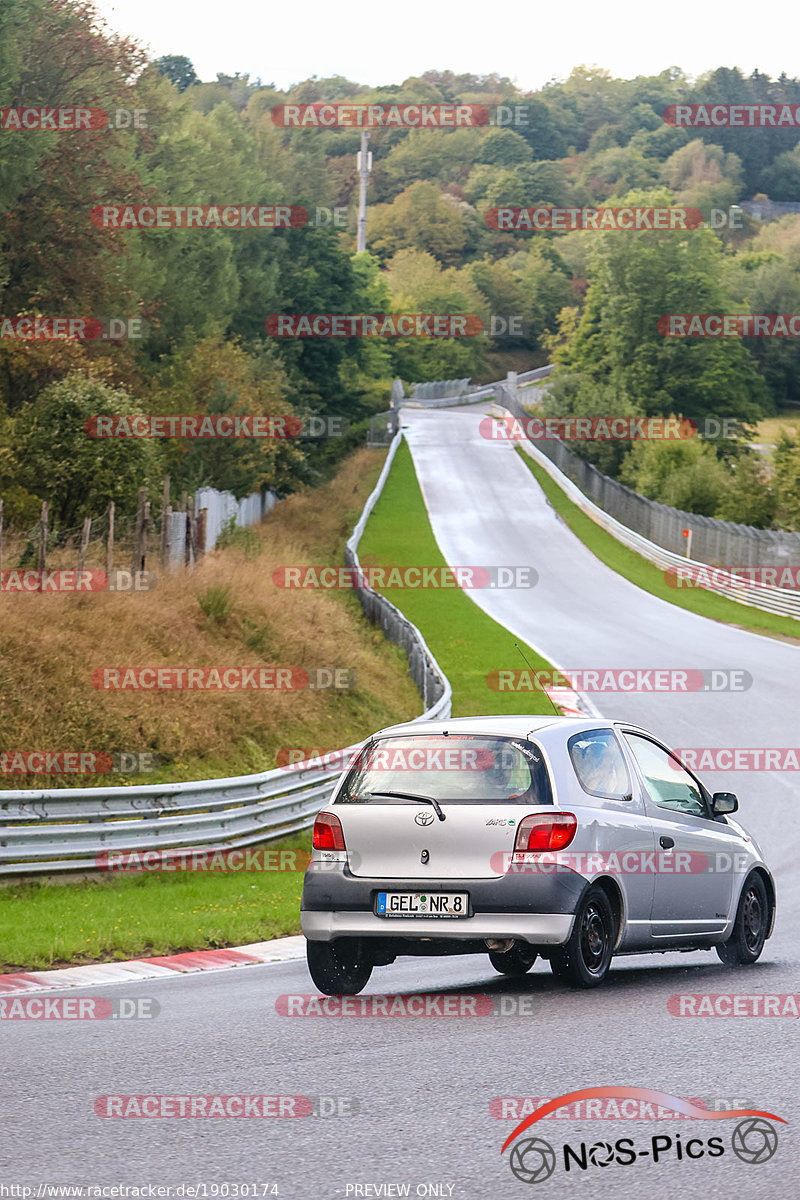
(217, 604)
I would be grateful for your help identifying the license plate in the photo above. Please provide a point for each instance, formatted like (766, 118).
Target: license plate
(422, 904)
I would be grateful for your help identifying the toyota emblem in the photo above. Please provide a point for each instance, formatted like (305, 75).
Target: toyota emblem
(424, 818)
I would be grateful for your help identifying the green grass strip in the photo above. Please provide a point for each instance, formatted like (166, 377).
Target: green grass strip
(118, 916)
(467, 643)
(651, 578)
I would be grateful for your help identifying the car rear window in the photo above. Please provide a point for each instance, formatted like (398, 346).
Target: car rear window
(599, 765)
(454, 769)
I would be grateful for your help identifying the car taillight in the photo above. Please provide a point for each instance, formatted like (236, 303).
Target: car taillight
(328, 833)
(551, 831)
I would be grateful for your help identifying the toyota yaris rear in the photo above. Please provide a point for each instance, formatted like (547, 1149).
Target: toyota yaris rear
(516, 837)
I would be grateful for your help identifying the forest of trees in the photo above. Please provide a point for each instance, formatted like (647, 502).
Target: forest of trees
(589, 301)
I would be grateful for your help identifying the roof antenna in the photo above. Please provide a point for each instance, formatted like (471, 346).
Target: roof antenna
(544, 691)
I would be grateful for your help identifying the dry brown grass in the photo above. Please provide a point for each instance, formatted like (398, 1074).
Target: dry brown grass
(50, 644)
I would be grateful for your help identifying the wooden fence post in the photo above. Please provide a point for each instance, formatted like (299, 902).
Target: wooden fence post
(110, 540)
(166, 515)
(145, 531)
(136, 551)
(202, 521)
(87, 529)
(191, 534)
(43, 522)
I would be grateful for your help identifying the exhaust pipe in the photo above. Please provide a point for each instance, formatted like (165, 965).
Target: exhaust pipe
(499, 944)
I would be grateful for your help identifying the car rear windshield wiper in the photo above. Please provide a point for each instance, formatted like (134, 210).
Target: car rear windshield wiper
(414, 796)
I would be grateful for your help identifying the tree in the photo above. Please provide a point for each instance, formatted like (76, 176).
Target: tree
(211, 375)
(685, 474)
(178, 69)
(704, 176)
(418, 283)
(781, 180)
(786, 480)
(424, 218)
(503, 148)
(749, 497)
(76, 474)
(634, 280)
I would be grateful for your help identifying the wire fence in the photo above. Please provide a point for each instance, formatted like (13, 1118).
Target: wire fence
(174, 537)
(713, 541)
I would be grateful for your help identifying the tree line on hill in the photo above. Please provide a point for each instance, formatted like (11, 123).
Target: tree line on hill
(589, 301)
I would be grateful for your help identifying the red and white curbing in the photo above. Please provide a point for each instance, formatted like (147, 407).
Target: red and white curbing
(568, 701)
(288, 949)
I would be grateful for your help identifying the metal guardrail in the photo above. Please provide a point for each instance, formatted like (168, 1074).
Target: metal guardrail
(63, 829)
(756, 595)
(472, 394)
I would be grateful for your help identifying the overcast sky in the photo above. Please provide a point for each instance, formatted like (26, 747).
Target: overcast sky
(528, 41)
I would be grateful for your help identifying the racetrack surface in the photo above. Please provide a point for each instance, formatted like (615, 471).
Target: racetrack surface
(424, 1084)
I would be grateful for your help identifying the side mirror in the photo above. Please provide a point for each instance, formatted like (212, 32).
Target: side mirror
(724, 802)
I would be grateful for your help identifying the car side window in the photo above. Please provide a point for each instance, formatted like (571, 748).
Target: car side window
(668, 784)
(599, 765)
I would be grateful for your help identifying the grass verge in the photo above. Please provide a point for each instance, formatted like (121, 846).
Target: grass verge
(649, 577)
(467, 643)
(50, 924)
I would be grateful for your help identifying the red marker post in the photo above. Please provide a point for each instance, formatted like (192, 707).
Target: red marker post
(687, 533)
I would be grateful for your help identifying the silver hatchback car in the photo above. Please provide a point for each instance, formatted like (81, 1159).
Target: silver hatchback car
(569, 839)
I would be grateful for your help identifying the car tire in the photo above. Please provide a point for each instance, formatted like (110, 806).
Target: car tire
(340, 967)
(516, 961)
(583, 961)
(750, 927)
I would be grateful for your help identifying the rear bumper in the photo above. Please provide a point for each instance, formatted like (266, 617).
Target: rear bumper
(537, 909)
(540, 929)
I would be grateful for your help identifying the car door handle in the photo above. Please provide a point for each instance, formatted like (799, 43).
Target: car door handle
(666, 843)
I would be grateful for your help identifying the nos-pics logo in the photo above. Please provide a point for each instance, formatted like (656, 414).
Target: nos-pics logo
(533, 1160)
